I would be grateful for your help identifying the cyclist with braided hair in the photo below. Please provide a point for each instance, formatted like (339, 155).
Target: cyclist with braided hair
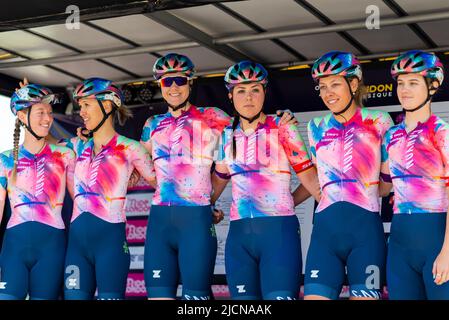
(97, 253)
(182, 144)
(35, 176)
(263, 248)
(417, 150)
(346, 148)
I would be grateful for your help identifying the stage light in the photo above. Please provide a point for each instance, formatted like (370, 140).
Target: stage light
(145, 93)
(128, 95)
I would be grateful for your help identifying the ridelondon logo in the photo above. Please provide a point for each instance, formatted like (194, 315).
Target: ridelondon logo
(383, 90)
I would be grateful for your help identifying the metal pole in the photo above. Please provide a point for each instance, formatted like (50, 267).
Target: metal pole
(291, 64)
(333, 28)
(363, 57)
(101, 54)
(224, 40)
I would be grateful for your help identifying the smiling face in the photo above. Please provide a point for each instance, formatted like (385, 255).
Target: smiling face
(175, 94)
(91, 112)
(248, 98)
(335, 93)
(412, 90)
(41, 118)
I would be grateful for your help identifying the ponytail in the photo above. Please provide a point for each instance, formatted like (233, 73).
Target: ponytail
(15, 151)
(122, 114)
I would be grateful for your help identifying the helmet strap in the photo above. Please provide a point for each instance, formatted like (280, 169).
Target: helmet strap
(176, 108)
(105, 117)
(252, 119)
(428, 99)
(28, 126)
(350, 101)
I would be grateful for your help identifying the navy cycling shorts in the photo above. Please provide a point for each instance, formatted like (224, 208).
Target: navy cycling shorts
(415, 242)
(346, 240)
(263, 258)
(180, 246)
(32, 262)
(97, 257)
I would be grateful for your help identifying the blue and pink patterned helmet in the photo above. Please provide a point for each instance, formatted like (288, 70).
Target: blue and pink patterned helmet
(173, 63)
(337, 63)
(245, 72)
(100, 89)
(415, 61)
(29, 95)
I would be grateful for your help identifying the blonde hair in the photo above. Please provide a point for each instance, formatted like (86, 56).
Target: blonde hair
(361, 93)
(122, 114)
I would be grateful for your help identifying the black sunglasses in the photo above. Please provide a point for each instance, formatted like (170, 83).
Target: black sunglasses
(168, 81)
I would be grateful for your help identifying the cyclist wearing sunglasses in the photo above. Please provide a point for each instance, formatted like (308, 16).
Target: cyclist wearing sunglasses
(182, 143)
(180, 225)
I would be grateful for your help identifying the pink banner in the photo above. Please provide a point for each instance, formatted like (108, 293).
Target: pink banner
(136, 230)
(135, 286)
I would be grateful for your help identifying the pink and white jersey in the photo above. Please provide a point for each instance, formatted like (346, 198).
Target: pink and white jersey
(260, 172)
(419, 166)
(183, 150)
(38, 193)
(101, 180)
(348, 157)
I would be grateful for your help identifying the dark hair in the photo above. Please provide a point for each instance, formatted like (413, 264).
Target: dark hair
(234, 126)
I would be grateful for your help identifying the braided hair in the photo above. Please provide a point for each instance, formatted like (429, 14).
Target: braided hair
(15, 151)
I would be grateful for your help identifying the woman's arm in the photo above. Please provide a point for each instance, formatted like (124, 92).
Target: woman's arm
(440, 268)
(2, 202)
(220, 178)
(385, 184)
(300, 195)
(309, 179)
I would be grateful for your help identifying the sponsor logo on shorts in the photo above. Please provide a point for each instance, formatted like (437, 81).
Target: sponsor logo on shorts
(125, 247)
(212, 231)
(156, 274)
(241, 288)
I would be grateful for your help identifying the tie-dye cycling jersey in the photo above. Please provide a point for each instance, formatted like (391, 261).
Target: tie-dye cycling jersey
(40, 186)
(101, 180)
(348, 157)
(183, 150)
(260, 172)
(419, 165)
